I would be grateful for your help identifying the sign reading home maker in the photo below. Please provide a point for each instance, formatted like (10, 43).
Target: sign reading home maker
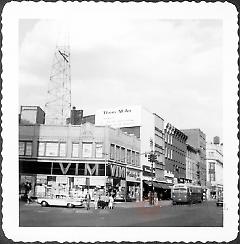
(124, 116)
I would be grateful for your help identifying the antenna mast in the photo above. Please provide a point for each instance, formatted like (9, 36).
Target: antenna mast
(58, 105)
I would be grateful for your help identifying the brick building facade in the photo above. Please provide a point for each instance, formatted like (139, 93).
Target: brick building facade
(197, 139)
(175, 153)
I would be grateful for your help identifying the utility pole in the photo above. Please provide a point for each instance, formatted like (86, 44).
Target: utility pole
(152, 157)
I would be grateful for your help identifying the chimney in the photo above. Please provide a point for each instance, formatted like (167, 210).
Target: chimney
(216, 140)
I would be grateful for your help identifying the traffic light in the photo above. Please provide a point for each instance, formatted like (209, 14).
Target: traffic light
(149, 157)
(154, 157)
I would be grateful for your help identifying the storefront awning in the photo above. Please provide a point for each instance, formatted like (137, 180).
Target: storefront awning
(157, 184)
(160, 185)
(149, 183)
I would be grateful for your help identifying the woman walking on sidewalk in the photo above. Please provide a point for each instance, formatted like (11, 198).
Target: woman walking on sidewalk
(95, 197)
(155, 199)
(111, 200)
(29, 196)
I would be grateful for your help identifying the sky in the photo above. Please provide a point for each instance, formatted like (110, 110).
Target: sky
(171, 67)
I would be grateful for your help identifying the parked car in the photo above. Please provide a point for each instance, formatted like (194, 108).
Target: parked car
(64, 202)
(220, 200)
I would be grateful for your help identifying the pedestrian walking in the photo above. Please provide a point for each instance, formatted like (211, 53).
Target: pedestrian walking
(111, 200)
(106, 200)
(29, 196)
(155, 199)
(95, 197)
(88, 200)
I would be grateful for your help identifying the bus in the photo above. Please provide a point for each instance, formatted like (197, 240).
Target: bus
(186, 193)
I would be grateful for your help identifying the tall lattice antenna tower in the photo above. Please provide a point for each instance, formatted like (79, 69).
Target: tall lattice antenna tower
(58, 105)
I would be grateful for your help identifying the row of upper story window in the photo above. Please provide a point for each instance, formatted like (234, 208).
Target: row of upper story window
(169, 153)
(212, 177)
(213, 154)
(168, 138)
(59, 149)
(89, 150)
(124, 155)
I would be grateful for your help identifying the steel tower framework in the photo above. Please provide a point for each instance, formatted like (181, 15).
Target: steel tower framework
(58, 105)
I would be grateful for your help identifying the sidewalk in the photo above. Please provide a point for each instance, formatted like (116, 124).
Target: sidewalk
(142, 204)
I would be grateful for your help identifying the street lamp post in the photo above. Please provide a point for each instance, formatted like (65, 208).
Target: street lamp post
(105, 170)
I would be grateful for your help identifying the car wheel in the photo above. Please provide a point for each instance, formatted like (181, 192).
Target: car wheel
(70, 205)
(44, 204)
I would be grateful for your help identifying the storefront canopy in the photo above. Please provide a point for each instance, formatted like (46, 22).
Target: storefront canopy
(157, 184)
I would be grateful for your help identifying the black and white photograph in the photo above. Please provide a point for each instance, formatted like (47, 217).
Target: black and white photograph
(120, 115)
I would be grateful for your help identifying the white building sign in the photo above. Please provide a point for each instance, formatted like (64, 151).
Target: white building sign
(61, 179)
(133, 175)
(124, 116)
(80, 181)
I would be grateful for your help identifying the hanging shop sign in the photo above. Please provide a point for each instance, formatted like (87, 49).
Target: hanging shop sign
(133, 175)
(147, 171)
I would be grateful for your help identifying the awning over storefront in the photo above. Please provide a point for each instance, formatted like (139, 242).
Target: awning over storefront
(157, 184)
(161, 185)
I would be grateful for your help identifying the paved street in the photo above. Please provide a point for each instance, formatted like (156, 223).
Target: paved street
(124, 214)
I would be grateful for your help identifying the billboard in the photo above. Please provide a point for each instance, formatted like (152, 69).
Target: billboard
(122, 116)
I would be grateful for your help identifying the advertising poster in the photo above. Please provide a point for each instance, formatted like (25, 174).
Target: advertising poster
(123, 116)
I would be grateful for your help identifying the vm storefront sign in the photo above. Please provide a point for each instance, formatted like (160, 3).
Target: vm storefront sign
(118, 171)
